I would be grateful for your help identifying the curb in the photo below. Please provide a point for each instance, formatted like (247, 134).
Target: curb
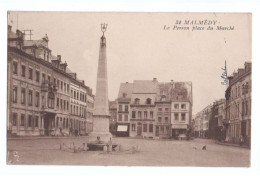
(57, 137)
(233, 145)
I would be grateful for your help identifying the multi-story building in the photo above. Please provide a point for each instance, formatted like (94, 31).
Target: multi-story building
(150, 107)
(202, 119)
(38, 88)
(216, 122)
(238, 104)
(123, 109)
(181, 107)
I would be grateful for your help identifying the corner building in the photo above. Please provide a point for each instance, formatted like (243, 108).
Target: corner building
(39, 86)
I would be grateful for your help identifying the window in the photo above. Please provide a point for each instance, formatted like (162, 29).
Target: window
(14, 67)
(58, 84)
(126, 108)
(182, 116)
(120, 117)
(22, 119)
(145, 127)
(71, 92)
(65, 86)
(139, 114)
(54, 81)
(23, 70)
(77, 95)
(133, 114)
(159, 109)
(126, 118)
(150, 128)
(67, 105)
(167, 129)
(163, 98)
(37, 73)
(68, 88)
(145, 114)
(166, 109)
(137, 101)
(30, 73)
(238, 90)
(30, 98)
(74, 94)
(176, 116)
(61, 85)
(49, 79)
(148, 101)
(30, 120)
(14, 119)
(183, 106)
(37, 99)
(151, 114)
(176, 106)
(58, 103)
(166, 119)
(120, 107)
(133, 127)
(15, 95)
(51, 100)
(159, 119)
(23, 96)
(124, 95)
(36, 121)
(43, 78)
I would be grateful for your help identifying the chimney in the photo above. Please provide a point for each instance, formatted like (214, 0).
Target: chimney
(154, 79)
(171, 82)
(59, 57)
(126, 82)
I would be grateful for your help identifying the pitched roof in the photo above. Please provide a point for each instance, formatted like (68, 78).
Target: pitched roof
(145, 86)
(125, 88)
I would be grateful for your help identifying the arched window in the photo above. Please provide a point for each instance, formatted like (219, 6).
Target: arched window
(148, 101)
(137, 101)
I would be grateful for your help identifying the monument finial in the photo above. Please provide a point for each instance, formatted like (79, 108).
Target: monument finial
(103, 28)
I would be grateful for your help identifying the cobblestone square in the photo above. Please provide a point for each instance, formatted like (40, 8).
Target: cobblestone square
(152, 153)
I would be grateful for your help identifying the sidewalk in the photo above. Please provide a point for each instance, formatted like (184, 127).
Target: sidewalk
(43, 137)
(231, 144)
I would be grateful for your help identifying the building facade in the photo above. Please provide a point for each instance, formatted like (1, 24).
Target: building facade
(238, 104)
(150, 108)
(38, 88)
(113, 117)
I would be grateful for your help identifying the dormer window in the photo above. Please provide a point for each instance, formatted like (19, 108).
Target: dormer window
(137, 101)
(163, 98)
(148, 101)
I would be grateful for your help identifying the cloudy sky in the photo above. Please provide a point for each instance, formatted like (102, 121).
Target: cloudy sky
(138, 47)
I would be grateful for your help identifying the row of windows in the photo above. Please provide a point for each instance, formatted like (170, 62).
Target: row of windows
(166, 119)
(79, 111)
(60, 84)
(141, 114)
(62, 104)
(236, 92)
(176, 116)
(78, 96)
(161, 109)
(69, 123)
(148, 101)
(23, 96)
(176, 106)
(121, 108)
(30, 121)
(120, 117)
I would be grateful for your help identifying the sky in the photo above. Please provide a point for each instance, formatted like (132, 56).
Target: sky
(138, 47)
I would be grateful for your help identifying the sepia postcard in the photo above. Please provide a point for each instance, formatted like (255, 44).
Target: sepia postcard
(129, 89)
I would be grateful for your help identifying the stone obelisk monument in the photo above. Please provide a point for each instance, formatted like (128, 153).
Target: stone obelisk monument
(101, 105)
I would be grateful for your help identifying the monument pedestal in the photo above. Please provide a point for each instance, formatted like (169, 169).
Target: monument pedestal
(100, 128)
